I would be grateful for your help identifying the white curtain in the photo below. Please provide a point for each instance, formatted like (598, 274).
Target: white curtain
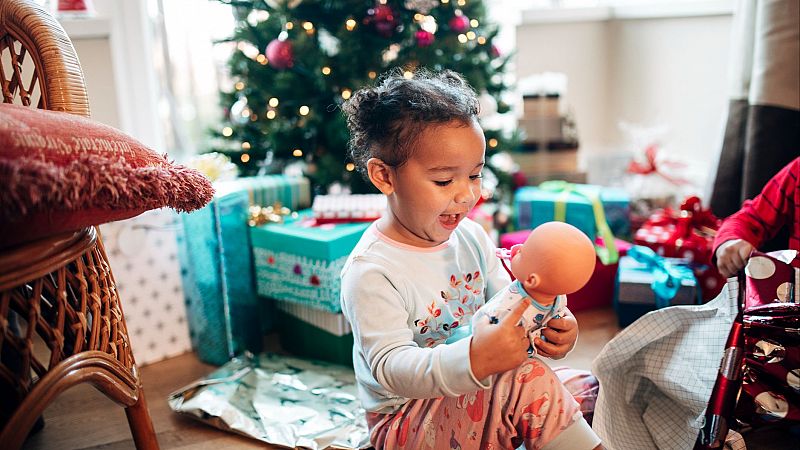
(191, 69)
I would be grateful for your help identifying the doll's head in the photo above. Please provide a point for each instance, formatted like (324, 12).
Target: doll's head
(555, 259)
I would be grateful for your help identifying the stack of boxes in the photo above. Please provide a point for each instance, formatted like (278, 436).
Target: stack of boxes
(298, 264)
(550, 143)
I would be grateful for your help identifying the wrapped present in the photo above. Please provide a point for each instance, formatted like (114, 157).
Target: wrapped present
(654, 182)
(314, 333)
(224, 315)
(688, 233)
(222, 309)
(600, 289)
(300, 261)
(771, 377)
(648, 282)
(758, 383)
(143, 252)
(348, 208)
(582, 205)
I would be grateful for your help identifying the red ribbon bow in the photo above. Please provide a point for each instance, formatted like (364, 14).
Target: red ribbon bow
(650, 166)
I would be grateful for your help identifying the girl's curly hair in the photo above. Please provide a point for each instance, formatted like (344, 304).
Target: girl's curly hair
(385, 120)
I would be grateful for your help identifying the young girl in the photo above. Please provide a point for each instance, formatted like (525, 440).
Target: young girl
(418, 275)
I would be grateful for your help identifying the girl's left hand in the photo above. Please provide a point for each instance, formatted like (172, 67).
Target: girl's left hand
(561, 335)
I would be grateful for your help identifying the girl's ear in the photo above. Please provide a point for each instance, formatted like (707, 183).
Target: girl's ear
(381, 175)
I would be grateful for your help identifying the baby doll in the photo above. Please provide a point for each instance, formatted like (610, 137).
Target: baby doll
(554, 260)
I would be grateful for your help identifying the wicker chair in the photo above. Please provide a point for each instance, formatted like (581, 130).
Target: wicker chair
(61, 321)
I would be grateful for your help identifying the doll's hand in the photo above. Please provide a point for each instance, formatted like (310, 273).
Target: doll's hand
(732, 256)
(498, 347)
(561, 335)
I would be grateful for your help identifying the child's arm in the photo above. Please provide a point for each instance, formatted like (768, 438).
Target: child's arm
(757, 221)
(377, 313)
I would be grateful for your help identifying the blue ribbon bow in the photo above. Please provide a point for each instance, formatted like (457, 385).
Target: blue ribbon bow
(667, 278)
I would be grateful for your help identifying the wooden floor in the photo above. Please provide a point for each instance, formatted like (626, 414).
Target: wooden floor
(83, 418)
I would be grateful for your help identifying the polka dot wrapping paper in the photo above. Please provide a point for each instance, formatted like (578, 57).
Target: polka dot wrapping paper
(771, 376)
(142, 252)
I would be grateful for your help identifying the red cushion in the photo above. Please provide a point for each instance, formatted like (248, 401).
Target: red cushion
(61, 172)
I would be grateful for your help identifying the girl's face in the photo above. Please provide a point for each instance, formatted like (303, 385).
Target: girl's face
(436, 188)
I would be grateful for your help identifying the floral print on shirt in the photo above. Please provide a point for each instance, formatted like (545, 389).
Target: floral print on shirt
(454, 308)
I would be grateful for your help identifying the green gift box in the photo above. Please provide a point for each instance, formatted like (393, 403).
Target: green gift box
(313, 333)
(299, 262)
(534, 206)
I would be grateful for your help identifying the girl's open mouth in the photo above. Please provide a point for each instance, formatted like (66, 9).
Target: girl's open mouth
(449, 221)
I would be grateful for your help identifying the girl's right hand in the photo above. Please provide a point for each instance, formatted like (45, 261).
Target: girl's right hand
(732, 256)
(498, 347)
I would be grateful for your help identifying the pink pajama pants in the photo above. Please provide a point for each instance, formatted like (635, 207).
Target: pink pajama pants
(529, 405)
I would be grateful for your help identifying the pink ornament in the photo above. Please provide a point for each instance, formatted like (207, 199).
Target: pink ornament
(424, 38)
(383, 19)
(459, 23)
(280, 54)
(495, 51)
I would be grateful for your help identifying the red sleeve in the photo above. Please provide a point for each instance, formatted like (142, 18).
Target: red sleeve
(760, 218)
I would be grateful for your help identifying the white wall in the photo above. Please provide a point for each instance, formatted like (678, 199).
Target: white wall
(668, 70)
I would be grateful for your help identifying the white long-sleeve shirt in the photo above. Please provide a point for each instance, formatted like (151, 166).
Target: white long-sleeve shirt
(404, 302)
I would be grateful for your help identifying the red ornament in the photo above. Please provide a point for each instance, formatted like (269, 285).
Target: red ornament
(383, 18)
(495, 51)
(314, 280)
(280, 54)
(424, 38)
(459, 23)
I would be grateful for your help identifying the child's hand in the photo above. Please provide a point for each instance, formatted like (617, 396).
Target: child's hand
(498, 347)
(732, 256)
(561, 335)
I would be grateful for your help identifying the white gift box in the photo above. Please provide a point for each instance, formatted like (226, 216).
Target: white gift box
(142, 252)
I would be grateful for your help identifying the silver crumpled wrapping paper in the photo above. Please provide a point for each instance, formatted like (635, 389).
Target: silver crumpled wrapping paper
(279, 400)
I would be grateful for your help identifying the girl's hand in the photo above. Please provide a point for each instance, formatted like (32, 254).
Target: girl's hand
(498, 347)
(732, 256)
(561, 335)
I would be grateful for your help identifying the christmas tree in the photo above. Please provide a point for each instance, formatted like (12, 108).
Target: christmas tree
(296, 61)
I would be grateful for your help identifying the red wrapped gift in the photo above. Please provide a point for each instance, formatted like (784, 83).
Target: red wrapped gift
(771, 378)
(687, 234)
(599, 290)
(759, 378)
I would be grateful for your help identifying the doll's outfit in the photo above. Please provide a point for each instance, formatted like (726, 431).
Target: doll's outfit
(535, 317)
(419, 391)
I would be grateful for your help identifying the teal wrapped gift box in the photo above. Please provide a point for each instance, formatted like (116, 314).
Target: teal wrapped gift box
(223, 312)
(301, 263)
(534, 206)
